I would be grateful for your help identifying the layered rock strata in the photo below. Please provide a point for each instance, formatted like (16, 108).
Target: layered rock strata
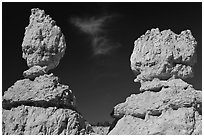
(167, 104)
(39, 104)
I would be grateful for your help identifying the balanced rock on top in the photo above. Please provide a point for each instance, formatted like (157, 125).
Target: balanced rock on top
(40, 104)
(43, 44)
(163, 55)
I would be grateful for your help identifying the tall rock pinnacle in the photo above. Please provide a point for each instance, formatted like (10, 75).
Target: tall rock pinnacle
(167, 104)
(39, 104)
(43, 44)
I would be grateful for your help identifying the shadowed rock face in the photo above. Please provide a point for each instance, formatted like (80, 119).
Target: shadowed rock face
(163, 55)
(43, 44)
(167, 104)
(39, 104)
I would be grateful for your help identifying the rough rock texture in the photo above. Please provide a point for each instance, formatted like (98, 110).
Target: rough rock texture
(163, 55)
(39, 104)
(34, 71)
(167, 104)
(154, 103)
(45, 90)
(100, 130)
(179, 122)
(157, 85)
(41, 107)
(43, 44)
(31, 120)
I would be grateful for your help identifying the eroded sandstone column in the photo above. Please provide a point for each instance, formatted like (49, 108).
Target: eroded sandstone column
(167, 104)
(43, 44)
(39, 104)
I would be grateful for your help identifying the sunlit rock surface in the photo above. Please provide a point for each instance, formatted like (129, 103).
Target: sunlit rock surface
(184, 121)
(45, 91)
(163, 55)
(40, 104)
(156, 84)
(167, 105)
(43, 44)
(31, 120)
(41, 107)
(155, 103)
(100, 130)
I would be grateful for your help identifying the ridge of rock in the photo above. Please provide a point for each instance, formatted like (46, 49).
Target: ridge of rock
(157, 85)
(154, 103)
(45, 88)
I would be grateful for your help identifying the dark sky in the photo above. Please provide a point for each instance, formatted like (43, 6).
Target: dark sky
(99, 80)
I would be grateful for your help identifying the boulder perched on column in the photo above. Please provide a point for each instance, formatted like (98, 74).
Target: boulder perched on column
(167, 104)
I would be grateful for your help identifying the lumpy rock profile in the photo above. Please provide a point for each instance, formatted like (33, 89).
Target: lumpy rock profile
(43, 44)
(40, 104)
(163, 55)
(167, 105)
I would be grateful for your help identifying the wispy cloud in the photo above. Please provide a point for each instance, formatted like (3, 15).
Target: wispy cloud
(92, 26)
(95, 29)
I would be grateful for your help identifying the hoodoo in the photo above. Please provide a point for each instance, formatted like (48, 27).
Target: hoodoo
(39, 104)
(167, 104)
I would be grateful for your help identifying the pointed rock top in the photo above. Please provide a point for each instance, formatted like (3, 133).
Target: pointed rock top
(43, 44)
